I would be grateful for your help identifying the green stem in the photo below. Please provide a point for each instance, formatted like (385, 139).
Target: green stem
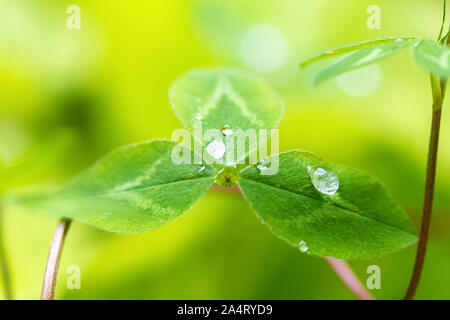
(54, 256)
(444, 11)
(4, 261)
(438, 97)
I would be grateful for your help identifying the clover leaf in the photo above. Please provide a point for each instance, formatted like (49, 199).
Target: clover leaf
(323, 208)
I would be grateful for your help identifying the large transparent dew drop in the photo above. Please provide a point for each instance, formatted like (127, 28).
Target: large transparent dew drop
(324, 180)
(216, 149)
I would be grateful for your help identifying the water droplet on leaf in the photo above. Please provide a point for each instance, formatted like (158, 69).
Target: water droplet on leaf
(262, 165)
(216, 149)
(227, 130)
(303, 246)
(325, 181)
(198, 116)
(202, 168)
(400, 43)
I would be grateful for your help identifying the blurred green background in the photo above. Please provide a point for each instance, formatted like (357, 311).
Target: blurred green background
(69, 96)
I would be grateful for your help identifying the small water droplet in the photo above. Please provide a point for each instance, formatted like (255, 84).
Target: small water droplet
(399, 43)
(262, 165)
(227, 130)
(303, 246)
(198, 116)
(325, 181)
(216, 149)
(202, 168)
(329, 52)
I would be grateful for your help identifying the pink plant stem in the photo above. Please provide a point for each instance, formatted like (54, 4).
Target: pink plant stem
(54, 256)
(349, 278)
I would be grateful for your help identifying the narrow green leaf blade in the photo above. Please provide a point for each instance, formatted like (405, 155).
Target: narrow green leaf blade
(360, 59)
(134, 189)
(353, 47)
(360, 220)
(433, 57)
(221, 97)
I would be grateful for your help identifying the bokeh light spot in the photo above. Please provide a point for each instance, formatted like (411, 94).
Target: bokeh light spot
(263, 48)
(360, 82)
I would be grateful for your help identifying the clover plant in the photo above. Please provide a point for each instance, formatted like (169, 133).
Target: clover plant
(322, 208)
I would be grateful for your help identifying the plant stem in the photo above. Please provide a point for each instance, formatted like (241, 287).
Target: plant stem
(428, 200)
(54, 256)
(438, 88)
(4, 261)
(349, 278)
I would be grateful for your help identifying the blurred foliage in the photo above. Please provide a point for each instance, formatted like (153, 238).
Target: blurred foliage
(106, 85)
